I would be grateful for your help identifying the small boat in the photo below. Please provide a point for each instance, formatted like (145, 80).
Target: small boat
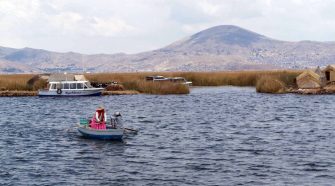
(177, 80)
(180, 80)
(70, 88)
(114, 131)
(108, 134)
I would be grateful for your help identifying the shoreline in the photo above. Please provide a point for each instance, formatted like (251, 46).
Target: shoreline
(26, 84)
(27, 93)
(120, 92)
(318, 91)
(17, 93)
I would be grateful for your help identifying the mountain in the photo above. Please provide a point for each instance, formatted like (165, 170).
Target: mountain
(225, 47)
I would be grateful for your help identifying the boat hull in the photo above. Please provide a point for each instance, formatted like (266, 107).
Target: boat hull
(85, 92)
(109, 134)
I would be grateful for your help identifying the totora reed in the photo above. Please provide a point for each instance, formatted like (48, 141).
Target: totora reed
(135, 82)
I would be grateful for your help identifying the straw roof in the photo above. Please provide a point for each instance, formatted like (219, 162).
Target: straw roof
(310, 74)
(329, 68)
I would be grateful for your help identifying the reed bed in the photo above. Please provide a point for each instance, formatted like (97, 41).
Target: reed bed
(15, 81)
(17, 93)
(162, 88)
(136, 81)
(120, 92)
(270, 84)
(234, 78)
(238, 78)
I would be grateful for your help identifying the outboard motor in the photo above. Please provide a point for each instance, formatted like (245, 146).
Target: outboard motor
(116, 121)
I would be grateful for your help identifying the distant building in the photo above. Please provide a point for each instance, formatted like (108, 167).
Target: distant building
(309, 80)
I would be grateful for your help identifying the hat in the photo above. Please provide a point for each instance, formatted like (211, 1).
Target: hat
(100, 108)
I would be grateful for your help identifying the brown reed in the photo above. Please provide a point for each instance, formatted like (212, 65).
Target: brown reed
(15, 81)
(268, 84)
(149, 87)
(234, 78)
(136, 80)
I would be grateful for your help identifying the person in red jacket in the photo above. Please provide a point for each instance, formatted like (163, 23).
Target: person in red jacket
(99, 119)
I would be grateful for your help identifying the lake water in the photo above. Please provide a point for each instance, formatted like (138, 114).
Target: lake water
(213, 136)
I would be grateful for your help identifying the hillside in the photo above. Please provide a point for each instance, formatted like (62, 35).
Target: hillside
(224, 47)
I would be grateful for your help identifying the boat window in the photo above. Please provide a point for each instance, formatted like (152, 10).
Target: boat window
(87, 85)
(73, 86)
(58, 86)
(79, 86)
(53, 86)
(65, 86)
(159, 77)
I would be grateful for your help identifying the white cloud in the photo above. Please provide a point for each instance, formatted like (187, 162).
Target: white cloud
(65, 22)
(111, 26)
(108, 26)
(208, 8)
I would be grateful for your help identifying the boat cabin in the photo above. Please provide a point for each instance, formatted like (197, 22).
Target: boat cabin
(156, 78)
(178, 80)
(69, 85)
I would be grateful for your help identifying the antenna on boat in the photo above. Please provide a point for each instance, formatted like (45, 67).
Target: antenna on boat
(65, 76)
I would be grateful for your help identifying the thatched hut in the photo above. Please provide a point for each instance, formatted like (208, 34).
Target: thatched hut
(309, 80)
(329, 72)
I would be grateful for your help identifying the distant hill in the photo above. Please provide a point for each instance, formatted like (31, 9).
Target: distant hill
(223, 47)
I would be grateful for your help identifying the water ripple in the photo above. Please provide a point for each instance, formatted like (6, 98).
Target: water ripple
(213, 136)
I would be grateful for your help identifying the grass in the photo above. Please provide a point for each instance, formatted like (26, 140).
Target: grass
(15, 82)
(118, 92)
(149, 87)
(21, 82)
(270, 85)
(17, 93)
(238, 78)
(136, 81)
(235, 78)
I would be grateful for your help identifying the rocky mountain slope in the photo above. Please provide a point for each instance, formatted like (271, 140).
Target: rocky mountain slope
(224, 47)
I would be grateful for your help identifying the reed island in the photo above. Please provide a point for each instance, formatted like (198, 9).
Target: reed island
(312, 81)
(135, 83)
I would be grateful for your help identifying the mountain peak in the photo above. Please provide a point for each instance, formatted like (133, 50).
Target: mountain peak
(224, 47)
(227, 34)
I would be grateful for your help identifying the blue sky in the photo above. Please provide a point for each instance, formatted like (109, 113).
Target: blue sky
(131, 26)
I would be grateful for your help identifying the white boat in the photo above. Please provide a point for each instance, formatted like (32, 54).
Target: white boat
(156, 78)
(70, 88)
(181, 80)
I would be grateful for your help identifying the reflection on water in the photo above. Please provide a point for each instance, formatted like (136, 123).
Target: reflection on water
(213, 136)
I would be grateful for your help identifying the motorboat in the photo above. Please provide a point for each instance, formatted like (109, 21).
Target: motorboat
(70, 88)
(114, 130)
(177, 80)
(180, 80)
